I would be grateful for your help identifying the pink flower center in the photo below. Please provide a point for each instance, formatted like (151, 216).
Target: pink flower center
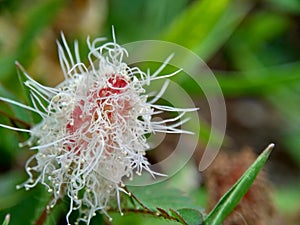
(101, 103)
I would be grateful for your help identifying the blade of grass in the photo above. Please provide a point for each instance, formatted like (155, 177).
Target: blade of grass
(263, 82)
(23, 77)
(206, 25)
(223, 29)
(231, 198)
(196, 22)
(6, 220)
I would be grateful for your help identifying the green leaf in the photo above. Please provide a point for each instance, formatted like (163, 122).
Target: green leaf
(224, 28)
(158, 195)
(23, 77)
(206, 25)
(252, 82)
(23, 206)
(139, 219)
(168, 202)
(232, 197)
(268, 28)
(245, 83)
(9, 196)
(188, 216)
(196, 22)
(6, 220)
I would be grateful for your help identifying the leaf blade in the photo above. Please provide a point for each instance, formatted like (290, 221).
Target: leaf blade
(232, 197)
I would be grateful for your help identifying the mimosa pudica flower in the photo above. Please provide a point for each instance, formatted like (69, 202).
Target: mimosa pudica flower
(93, 127)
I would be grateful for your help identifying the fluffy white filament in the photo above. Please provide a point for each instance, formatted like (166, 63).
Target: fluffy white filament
(93, 127)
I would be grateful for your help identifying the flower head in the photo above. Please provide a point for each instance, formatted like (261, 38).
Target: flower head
(93, 127)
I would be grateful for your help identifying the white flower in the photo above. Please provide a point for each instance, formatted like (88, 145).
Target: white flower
(93, 127)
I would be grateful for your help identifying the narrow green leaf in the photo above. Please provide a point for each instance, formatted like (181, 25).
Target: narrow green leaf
(252, 82)
(23, 77)
(6, 220)
(206, 25)
(267, 27)
(231, 198)
(223, 29)
(196, 22)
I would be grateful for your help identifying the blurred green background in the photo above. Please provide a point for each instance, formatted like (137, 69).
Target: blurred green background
(253, 48)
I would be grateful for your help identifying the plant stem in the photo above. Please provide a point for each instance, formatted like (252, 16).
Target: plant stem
(145, 210)
(41, 220)
(43, 217)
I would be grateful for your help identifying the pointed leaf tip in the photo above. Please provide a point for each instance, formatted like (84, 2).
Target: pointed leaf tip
(271, 146)
(6, 220)
(232, 197)
(268, 149)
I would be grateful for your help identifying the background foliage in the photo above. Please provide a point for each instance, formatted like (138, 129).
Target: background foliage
(252, 47)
